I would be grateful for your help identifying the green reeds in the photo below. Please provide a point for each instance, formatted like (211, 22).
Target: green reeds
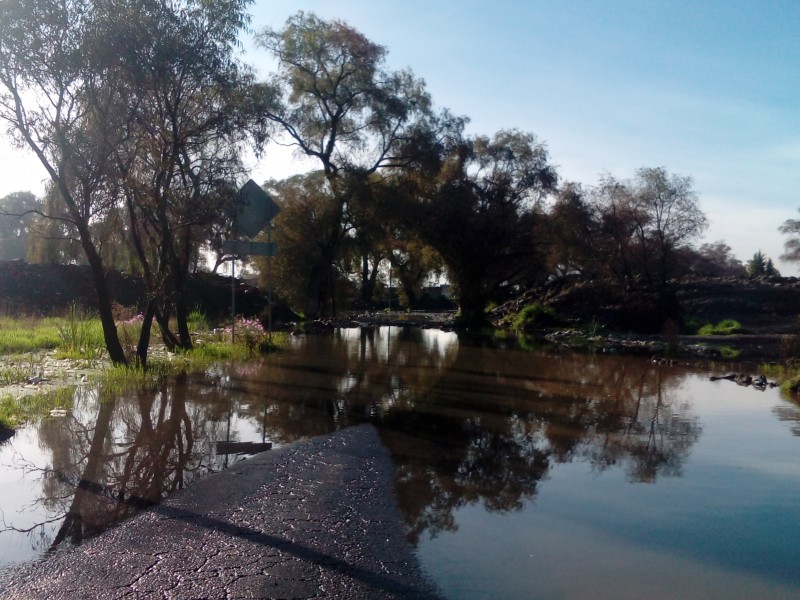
(81, 336)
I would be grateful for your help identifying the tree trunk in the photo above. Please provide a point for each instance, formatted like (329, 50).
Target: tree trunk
(144, 334)
(110, 334)
(472, 306)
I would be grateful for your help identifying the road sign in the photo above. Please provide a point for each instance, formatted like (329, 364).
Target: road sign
(254, 209)
(246, 248)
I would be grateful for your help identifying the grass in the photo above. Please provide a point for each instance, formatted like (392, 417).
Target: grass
(724, 327)
(73, 336)
(532, 315)
(79, 337)
(28, 334)
(16, 411)
(787, 374)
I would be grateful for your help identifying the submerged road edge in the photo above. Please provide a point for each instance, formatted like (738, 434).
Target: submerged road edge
(315, 519)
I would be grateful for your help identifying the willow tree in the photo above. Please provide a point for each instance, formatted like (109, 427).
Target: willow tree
(50, 100)
(17, 216)
(647, 221)
(309, 212)
(134, 108)
(337, 104)
(189, 103)
(481, 213)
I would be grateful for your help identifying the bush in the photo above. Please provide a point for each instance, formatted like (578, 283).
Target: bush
(692, 324)
(532, 315)
(724, 327)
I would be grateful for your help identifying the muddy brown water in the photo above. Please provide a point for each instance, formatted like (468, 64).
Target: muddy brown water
(520, 473)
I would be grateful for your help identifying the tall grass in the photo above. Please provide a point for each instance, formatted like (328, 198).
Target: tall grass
(81, 335)
(28, 334)
(78, 336)
(74, 336)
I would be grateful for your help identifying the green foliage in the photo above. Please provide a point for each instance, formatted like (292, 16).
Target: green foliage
(691, 325)
(15, 411)
(724, 327)
(729, 352)
(81, 336)
(787, 374)
(760, 265)
(532, 315)
(29, 334)
(197, 321)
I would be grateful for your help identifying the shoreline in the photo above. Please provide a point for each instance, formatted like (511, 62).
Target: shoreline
(756, 350)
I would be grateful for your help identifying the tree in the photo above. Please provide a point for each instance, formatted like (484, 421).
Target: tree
(336, 103)
(674, 215)
(761, 266)
(715, 258)
(136, 110)
(413, 262)
(572, 229)
(481, 214)
(792, 245)
(186, 103)
(17, 214)
(646, 221)
(50, 96)
(309, 212)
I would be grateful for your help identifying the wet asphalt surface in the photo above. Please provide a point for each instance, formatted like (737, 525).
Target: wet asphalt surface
(317, 519)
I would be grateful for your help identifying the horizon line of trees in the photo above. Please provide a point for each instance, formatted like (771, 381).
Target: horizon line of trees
(141, 111)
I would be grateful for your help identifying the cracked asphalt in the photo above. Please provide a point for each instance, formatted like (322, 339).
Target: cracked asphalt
(317, 519)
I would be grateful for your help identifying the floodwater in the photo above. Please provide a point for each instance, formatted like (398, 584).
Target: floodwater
(520, 474)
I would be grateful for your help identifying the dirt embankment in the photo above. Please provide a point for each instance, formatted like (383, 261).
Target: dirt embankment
(768, 310)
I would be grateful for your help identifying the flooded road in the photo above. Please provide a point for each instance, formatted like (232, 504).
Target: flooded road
(520, 473)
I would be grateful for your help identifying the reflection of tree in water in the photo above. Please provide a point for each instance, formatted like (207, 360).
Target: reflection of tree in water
(113, 457)
(465, 423)
(789, 413)
(635, 420)
(468, 423)
(342, 379)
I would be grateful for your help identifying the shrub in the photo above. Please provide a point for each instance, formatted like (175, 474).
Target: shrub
(724, 327)
(692, 324)
(532, 315)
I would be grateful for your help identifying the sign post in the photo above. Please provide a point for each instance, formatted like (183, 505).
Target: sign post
(254, 209)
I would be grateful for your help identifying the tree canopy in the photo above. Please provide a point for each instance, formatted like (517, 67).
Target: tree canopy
(140, 111)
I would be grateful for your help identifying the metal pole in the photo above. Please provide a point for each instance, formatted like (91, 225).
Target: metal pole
(269, 274)
(233, 287)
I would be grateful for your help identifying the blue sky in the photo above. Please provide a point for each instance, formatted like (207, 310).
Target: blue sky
(705, 89)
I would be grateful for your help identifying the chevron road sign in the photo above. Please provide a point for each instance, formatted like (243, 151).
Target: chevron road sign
(254, 209)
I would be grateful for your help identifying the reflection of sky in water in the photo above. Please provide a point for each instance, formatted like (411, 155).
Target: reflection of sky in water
(25, 456)
(380, 340)
(728, 527)
(20, 493)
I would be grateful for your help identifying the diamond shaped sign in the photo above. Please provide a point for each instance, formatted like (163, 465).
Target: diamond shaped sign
(254, 209)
